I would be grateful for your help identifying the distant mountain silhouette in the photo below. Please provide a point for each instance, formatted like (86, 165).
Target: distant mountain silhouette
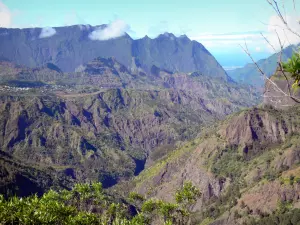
(249, 74)
(71, 47)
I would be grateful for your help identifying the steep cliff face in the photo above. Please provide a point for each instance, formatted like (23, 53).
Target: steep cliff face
(68, 49)
(107, 123)
(176, 54)
(21, 179)
(280, 92)
(71, 47)
(242, 164)
(12, 71)
(92, 134)
(261, 128)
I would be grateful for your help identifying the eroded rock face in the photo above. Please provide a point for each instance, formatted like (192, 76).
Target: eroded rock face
(95, 133)
(259, 128)
(21, 179)
(256, 150)
(279, 91)
(266, 197)
(72, 47)
(189, 165)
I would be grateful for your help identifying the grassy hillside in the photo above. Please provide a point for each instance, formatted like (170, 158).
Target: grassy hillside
(247, 168)
(103, 123)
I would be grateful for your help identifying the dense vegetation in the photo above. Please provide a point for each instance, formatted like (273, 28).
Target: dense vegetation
(128, 117)
(88, 204)
(293, 66)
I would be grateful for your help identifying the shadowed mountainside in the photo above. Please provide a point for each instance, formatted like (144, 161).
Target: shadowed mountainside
(71, 47)
(242, 165)
(109, 134)
(249, 74)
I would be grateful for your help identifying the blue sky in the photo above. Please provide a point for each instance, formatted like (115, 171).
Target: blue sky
(147, 16)
(221, 25)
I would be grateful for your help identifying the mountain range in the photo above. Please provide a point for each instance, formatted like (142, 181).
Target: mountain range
(249, 74)
(72, 47)
(146, 116)
(86, 123)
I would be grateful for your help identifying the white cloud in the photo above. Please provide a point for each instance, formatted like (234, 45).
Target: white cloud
(6, 16)
(84, 26)
(230, 41)
(231, 67)
(255, 41)
(227, 37)
(286, 37)
(114, 30)
(47, 32)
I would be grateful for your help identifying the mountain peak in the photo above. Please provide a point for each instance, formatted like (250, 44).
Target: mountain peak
(184, 36)
(167, 35)
(72, 47)
(146, 37)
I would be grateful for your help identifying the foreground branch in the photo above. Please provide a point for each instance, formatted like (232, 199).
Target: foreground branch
(246, 50)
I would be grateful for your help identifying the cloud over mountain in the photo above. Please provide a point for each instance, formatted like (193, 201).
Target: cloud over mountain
(5, 16)
(47, 32)
(115, 29)
(277, 27)
(254, 39)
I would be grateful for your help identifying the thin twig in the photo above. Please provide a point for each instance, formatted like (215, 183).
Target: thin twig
(284, 9)
(246, 50)
(260, 70)
(277, 10)
(280, 64)
(285, 28)
(268, 42)
(287, 37)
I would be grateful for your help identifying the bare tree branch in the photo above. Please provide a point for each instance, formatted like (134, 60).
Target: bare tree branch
(260, 70)
(276, 8)
(284, 10)
(286, 37)
(284, 28)
(246, 50)
(268, 42)
(280, 64)
(274, 5)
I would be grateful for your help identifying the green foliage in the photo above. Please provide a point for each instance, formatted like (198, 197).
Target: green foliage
(154, 210)
(229, 164)
(286, 217)
(188, 195)
(84, 204)
(293, 66)
(292, 178)
(88, 204)
(133, 197)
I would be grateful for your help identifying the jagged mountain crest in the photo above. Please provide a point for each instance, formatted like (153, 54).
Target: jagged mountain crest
(71, 47)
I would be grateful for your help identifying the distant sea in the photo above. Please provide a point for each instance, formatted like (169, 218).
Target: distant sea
(231, 67)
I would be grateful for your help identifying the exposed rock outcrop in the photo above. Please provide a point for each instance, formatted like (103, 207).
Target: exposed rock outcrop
(279, 91)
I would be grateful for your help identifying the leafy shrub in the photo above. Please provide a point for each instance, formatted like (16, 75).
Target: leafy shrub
(293, 66)
(88, 204)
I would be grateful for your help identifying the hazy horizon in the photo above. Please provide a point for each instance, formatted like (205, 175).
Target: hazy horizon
(220, 26)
